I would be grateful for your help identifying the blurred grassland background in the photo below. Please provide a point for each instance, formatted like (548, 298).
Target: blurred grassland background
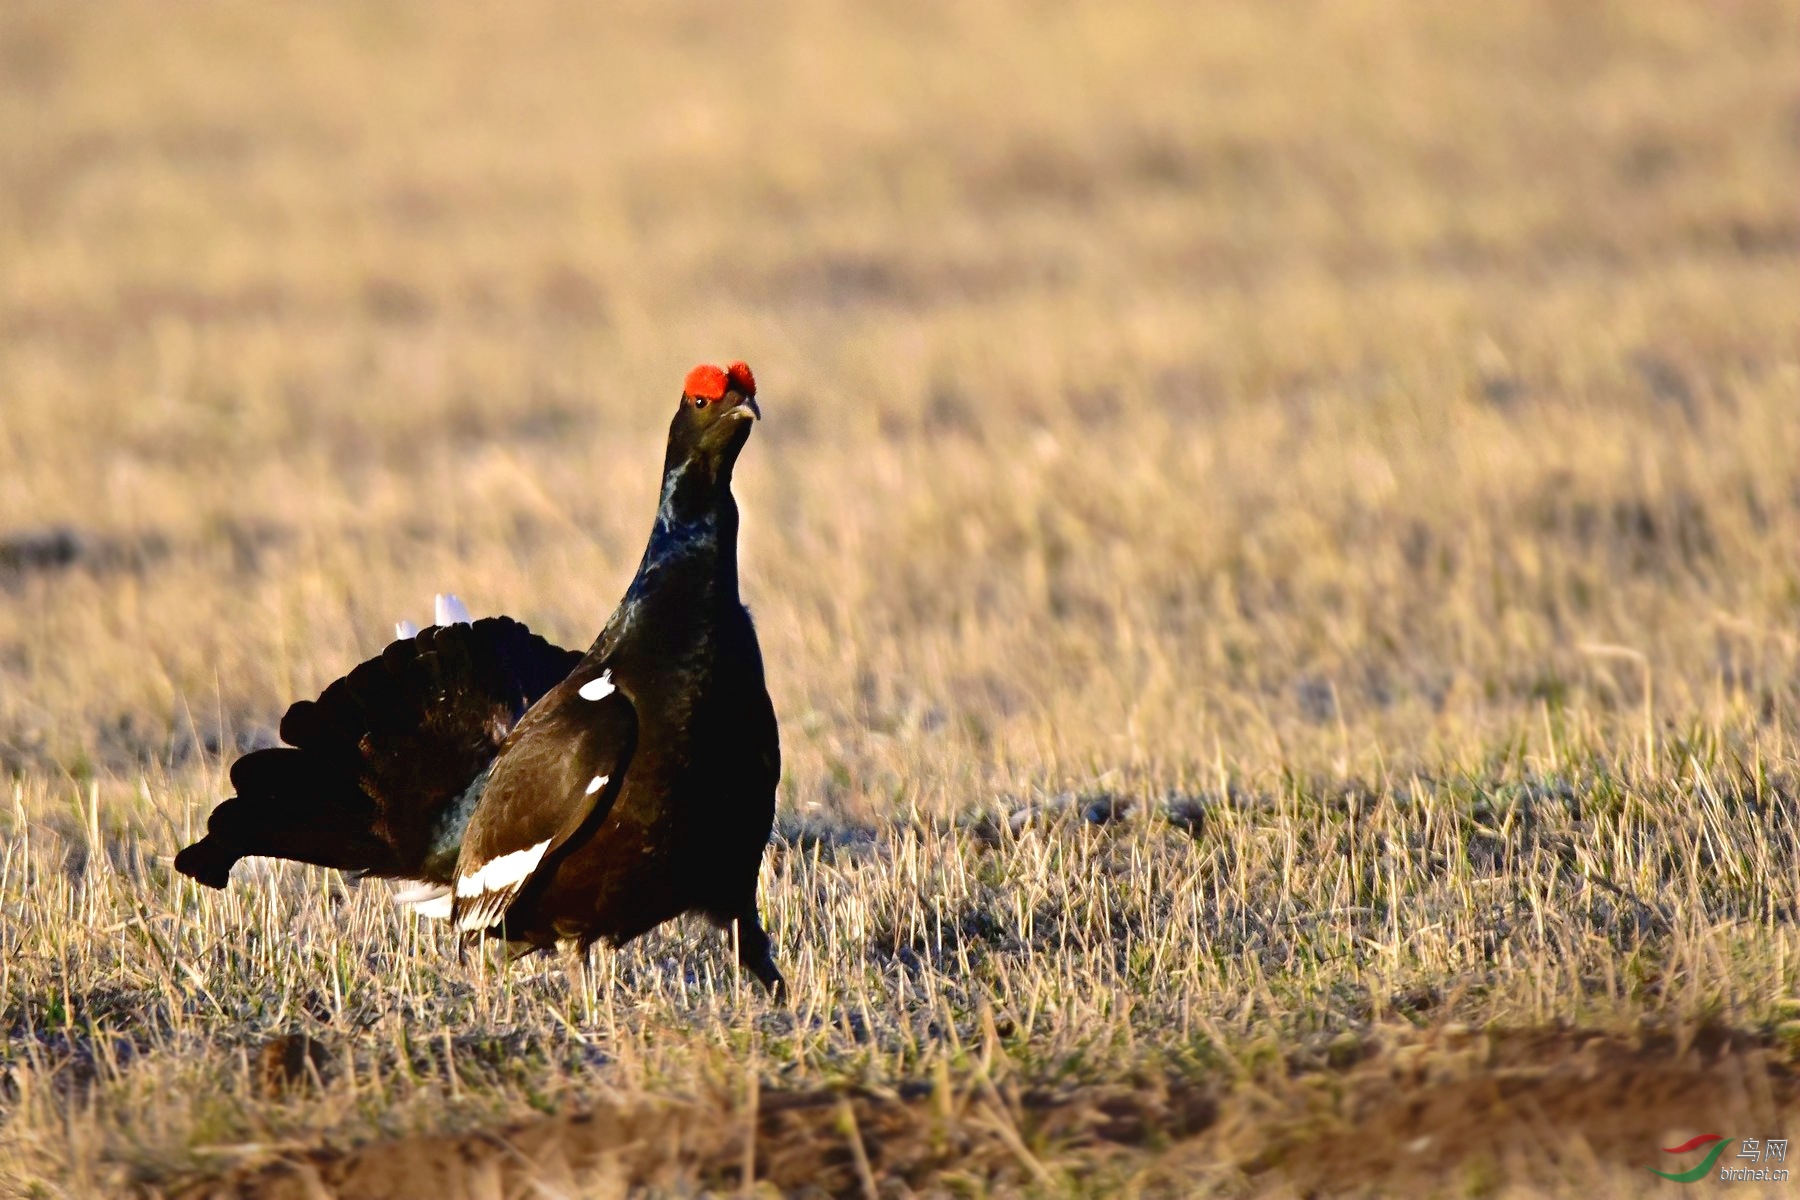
(1274, 414)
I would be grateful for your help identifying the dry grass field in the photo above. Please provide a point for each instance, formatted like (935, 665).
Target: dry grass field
(1276, 536)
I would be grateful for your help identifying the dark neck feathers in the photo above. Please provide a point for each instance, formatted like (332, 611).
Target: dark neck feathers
(689, 572)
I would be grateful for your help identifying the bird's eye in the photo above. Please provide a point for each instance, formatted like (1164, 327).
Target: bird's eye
(699, 401)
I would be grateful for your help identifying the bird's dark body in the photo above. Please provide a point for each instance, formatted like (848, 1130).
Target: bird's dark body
(686, 829)
(552, 796)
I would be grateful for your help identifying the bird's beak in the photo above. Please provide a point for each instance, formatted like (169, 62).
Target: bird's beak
(747, 409)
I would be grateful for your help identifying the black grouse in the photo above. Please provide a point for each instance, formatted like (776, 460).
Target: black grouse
(541, 794)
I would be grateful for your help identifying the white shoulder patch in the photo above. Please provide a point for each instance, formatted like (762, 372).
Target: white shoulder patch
(483, 894)
(596, 783)
(449, 610)
(598, 689)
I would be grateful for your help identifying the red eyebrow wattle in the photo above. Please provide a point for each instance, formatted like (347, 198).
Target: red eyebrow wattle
(741, 378)
(705, 382)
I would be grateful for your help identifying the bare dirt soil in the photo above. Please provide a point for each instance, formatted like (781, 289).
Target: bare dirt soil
(1464, 1110)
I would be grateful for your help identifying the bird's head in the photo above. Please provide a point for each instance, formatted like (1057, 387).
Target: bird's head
(718, 406)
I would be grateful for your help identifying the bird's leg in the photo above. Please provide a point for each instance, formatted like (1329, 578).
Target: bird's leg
(756, 954)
